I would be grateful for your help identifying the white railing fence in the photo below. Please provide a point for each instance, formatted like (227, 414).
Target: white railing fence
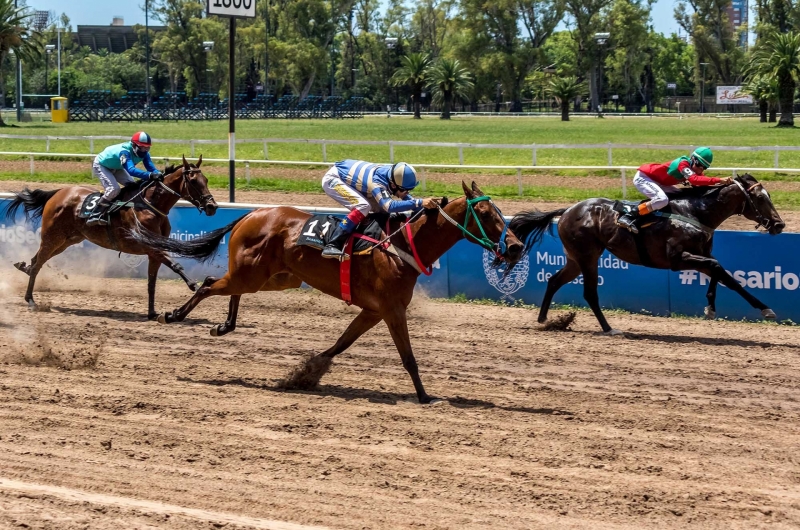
(623, 170)
(391, 144)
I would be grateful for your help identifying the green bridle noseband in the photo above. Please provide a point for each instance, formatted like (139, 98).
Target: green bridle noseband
(485, 242)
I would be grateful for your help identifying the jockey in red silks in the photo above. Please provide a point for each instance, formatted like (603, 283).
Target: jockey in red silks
(655, 180)
(363, 188)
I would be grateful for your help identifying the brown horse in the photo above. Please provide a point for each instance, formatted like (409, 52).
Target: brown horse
(62, 227)
(263, 256)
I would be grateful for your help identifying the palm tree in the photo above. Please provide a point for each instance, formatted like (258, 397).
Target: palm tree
(779, 58)
(414, 73)
(565, 89)
(14, 35)
(765, 91)
(449, 80)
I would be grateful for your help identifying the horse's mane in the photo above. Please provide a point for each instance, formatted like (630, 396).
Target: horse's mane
(171, 169)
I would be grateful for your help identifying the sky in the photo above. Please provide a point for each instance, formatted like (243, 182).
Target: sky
(100, 12)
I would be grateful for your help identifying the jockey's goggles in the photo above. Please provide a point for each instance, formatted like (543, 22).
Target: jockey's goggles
(142, 148)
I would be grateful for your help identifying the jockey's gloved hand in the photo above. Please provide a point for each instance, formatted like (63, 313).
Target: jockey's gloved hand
(430, 203)
(156, 175)
(726, 181)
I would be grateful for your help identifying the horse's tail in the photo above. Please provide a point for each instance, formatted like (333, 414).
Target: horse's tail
(201, 248)
(530, 227)
(32, 201)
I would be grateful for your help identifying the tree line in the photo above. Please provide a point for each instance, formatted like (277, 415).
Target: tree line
(477, 54)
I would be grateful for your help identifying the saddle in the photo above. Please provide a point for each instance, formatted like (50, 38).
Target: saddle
(317, 232)
(623, 207)
(127, 198)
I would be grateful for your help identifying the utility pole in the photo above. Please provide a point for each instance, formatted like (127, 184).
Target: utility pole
(59, 61)
(19, 82)
(147, 51)
(703, 90)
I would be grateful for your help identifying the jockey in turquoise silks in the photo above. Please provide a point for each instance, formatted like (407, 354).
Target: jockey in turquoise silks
(363, 188)
(115, 166)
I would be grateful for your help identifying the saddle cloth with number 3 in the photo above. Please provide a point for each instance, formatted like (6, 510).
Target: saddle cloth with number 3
(318, 230)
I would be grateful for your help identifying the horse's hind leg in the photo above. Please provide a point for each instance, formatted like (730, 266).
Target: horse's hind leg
(230, 323)
(47, 250)
(711, 309)
(590, 277)
(569, 272)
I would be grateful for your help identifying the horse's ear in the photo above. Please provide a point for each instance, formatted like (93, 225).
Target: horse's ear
(467, 191)
(476, 189)
(444, 202)
(185, 163)
(200, 161)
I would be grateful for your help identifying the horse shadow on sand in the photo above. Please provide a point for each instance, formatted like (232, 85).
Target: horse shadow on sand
(707, 341)
(373, 396)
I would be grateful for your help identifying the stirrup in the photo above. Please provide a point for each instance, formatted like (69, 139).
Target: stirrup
(101, 220)
(334, 253)
(628, 224)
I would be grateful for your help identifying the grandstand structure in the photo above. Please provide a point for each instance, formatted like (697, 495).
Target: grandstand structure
(98, 105)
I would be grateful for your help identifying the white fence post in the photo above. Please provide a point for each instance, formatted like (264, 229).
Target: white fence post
(47, 147)
(191, 148)
(461, 155)
(247, 171)
(266, 152)
(32, 167)
(424, 179)
(91, 146)
(777, 154)
(391, 152)
(610, 160)
(624, 184)
(324, 152)
(519, 181)
(534, 154)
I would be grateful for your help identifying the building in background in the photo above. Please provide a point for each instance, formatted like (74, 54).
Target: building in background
(116, 38)
(738, 17)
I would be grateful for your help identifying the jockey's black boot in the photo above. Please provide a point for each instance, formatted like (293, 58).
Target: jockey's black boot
(628, 221)
(335, 247)
(99, 214)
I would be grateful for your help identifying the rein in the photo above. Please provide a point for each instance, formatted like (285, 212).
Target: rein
(197, 203)
(499, 247)
(762, 221)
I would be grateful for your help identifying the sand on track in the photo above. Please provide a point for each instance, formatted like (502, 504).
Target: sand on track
(680, 423)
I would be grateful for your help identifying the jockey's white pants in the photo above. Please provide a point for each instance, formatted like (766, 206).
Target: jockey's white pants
(344, 194)
(653, 190)
(111, 179)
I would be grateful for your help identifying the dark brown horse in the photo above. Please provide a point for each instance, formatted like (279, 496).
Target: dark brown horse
(262, 256)
(681, 241)
(62, 227)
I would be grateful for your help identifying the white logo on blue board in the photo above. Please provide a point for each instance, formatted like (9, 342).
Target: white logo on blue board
(510, 284)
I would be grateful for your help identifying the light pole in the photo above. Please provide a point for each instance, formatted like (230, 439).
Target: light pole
(703, 90)
(600, 39)
(58, 30)
(147, 51)
(19, 81)
(391, 43)
(208, 46)
(48, 50)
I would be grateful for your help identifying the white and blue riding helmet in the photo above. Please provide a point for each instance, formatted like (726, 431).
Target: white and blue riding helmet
(404, 176)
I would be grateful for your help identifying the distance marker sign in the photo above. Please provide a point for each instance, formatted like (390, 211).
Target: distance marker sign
(232, 8)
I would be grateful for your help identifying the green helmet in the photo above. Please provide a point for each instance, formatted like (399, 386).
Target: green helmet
(703, 156)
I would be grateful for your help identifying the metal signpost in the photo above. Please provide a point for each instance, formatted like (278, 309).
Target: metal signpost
(232, 9)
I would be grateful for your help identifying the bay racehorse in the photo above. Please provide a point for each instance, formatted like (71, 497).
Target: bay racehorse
(263, 256)
(63, 227)
(680, 238)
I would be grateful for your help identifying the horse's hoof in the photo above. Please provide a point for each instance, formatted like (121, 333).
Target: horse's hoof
(21, 266)
(709, 313)
(193, 286)
(430, 400)
(162, 318)
(768, 313)
(215, 330)
(152, 316)
(614, 333)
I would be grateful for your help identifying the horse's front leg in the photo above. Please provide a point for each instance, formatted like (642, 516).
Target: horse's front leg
(153, 264)
(711, 309)
(397, 322)
(711, 267)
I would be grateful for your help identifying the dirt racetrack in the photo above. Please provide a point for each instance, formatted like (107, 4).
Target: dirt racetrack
(682, 423)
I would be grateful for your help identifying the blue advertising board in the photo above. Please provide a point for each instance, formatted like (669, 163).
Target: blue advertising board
(769, 267)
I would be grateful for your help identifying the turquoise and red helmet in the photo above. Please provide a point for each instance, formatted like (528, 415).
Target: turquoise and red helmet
(141, 143)
(404, 176)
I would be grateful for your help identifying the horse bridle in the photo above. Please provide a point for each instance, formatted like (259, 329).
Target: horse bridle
(762, 221)
(190, 185)
(498, 248)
